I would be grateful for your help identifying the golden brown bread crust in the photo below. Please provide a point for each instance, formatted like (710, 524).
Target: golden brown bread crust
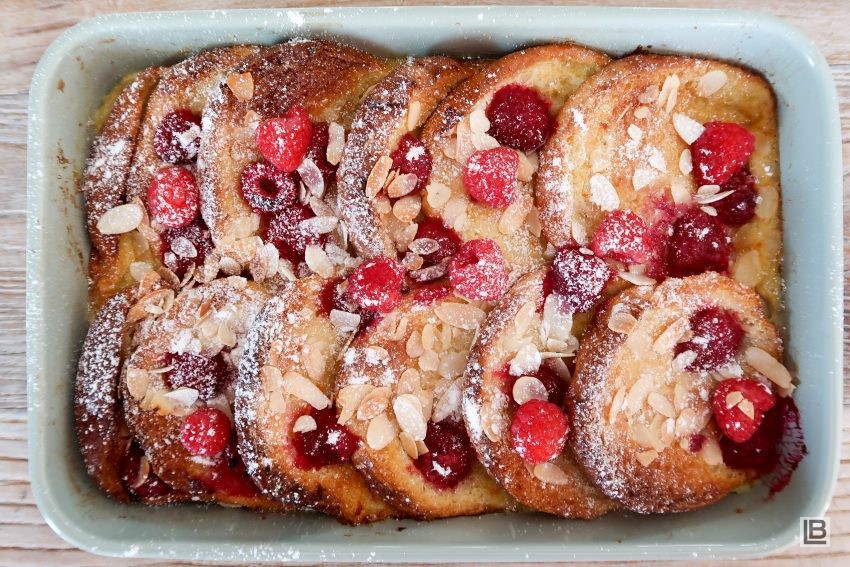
(107, 172)
(155, 419)
(592, 138)
(486, 404)
(609, 364)
(555, 71)
(379, 357)
(290, 335)
(399, 104)
(325, 77)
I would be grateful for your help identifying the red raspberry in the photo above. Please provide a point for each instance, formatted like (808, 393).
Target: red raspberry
(206, 432)
(130, 467)
(173, 197)
(449, 458)
(430, 293)
(478, 270)
(332, 296)
(519, 117)
(318, 151)
(228, 476)
(695, 442)
(266, 188)
(376, 284)
(580, 277)
(198, 234)
(207, 375)
(698, 243)
(621, 236)
(284, 230)
(791, 447)
(538, 431)
(490, 176)
(739, 208)
(284, 141)
(732, 421)
(412, 156)
(721, 150)
(328, 444)
(448, 240)
(717, 335)
(178, 137)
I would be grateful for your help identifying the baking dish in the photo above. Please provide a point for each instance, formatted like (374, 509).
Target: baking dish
(88, 59)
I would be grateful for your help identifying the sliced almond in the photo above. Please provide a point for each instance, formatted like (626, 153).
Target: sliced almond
(381, 432)
(414, 113)
(183, 396)
(409, 382)
(305, 390)
(709, 210)
(319, 225)
(408, 443)
(406, 208)
(402, 185)
(769, 367)
(447, 400)
(622, 322)
(650, 95)
(711, 82)
(241, 85)
(414, 346)
(408, 413)
(679, 192)
(671, 335)
(687, 128)
(382, 204)
(710, 452)
(645, 437)
(669, 93)
(706, 199)
(429, 361)
(603, 194)
(374, 403)
(768, 202)
(747, 268)
(643, 177)
(687, 423)
(437, 195)
(271, 378)
(529, 388)
(349, 398)
(638, 393)
(683, 360)
(616, 404)
(424, 246)
(646, 458)
(526, 360)
(304, 424)
(641, 112)
(318, 261)
(344, 321)
(120, 219)
(657, 161)
(461, 315)
(733, 399)
(634, 132)
(137, 381)
(661, 404)
(452, 364)
(336, 143)
(527, 166)
(550, 473)
(636, 279)
(429, 336)
(747, 408)
(378, 176)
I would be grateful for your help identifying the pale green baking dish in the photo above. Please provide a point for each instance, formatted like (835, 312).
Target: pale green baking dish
(87, 60)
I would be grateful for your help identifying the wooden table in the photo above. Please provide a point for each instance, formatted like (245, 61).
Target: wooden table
(28, 26)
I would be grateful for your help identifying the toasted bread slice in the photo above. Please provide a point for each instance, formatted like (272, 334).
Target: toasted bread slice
(627, 380)
(291, 355)
(397, 106)
(400, 382)
(327, 78)
(102, 434)
(459, 127)
(204, 321)
(524, 324)
(621, 131)
(105, 182)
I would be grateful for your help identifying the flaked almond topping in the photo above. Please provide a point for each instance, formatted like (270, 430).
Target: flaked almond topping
(550, 473)
(318, 261)
(344, 321)
(374, 403)
(452, 364)
(437, 195)
(686, 163)
(616, 404)
(241, 85)
(478, 121)
(412, 262)
(687, 422)
(381, 432)
(313, 358)
(711, 82)
(319, 225)
(768, 202)
(524, 317)
(349, 398)
(401, 185)
(656, 160)
(622, 322)
(378, 176)
(429, 336)
(709, 210)
(414, 347)
(650, 95)
(669, 93)
(448, 396)
(579, 233)
(636, 279)
(733, 398)
(687, 128)
(305, 390)
(514, 214)
(643, 177)
(311, 177)
(706, 199)
(406, 208)
(454, 209)
(638, 393)
(747, 408)
(183, 396)
(424, 246)
(710, 452)
(304, 424)
(414, 113)
(408, 413)
(679, 192)
(120, 219)
(707, 190)
(769, 367)
(137, 382)
(183, 247)
(661, 404)
(429, 361)
(646, 458)
(154, 303)
(645, 437)
(533, 222)
(526, 361)
(336, 143)
(528, 164)
(683, 360)
(138, 270)
(409, 382)
(408, 443)
(226, 335)
(671, 335)
(641, 112)
(461, 315)
(747, 268)
(603, 194)
(528, 388)
(634, 132)
(271, 378)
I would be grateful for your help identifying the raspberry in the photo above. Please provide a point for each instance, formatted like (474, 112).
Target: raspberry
(332, 296)
(447, 239)
(519, 117)
(580, 277)
(695, 442)
(376, 284)
(490, 176)
(791, 447)
(284, 230)
(739, 208)
(151, 487)
(266, 188)
(698, 243)
(284, 141)
(328, 444)
(206, 375)
(318, 151)
(478, 270)
(556, 388)
(428, 294)
(621, 236)
(732, 421)
(412, 156)
(198, 234)
(538, 431)
(206, 432)
(229, 476)
(449, 458)
(717, 335)
(721, 150)
(173, 197)
(178, 137)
